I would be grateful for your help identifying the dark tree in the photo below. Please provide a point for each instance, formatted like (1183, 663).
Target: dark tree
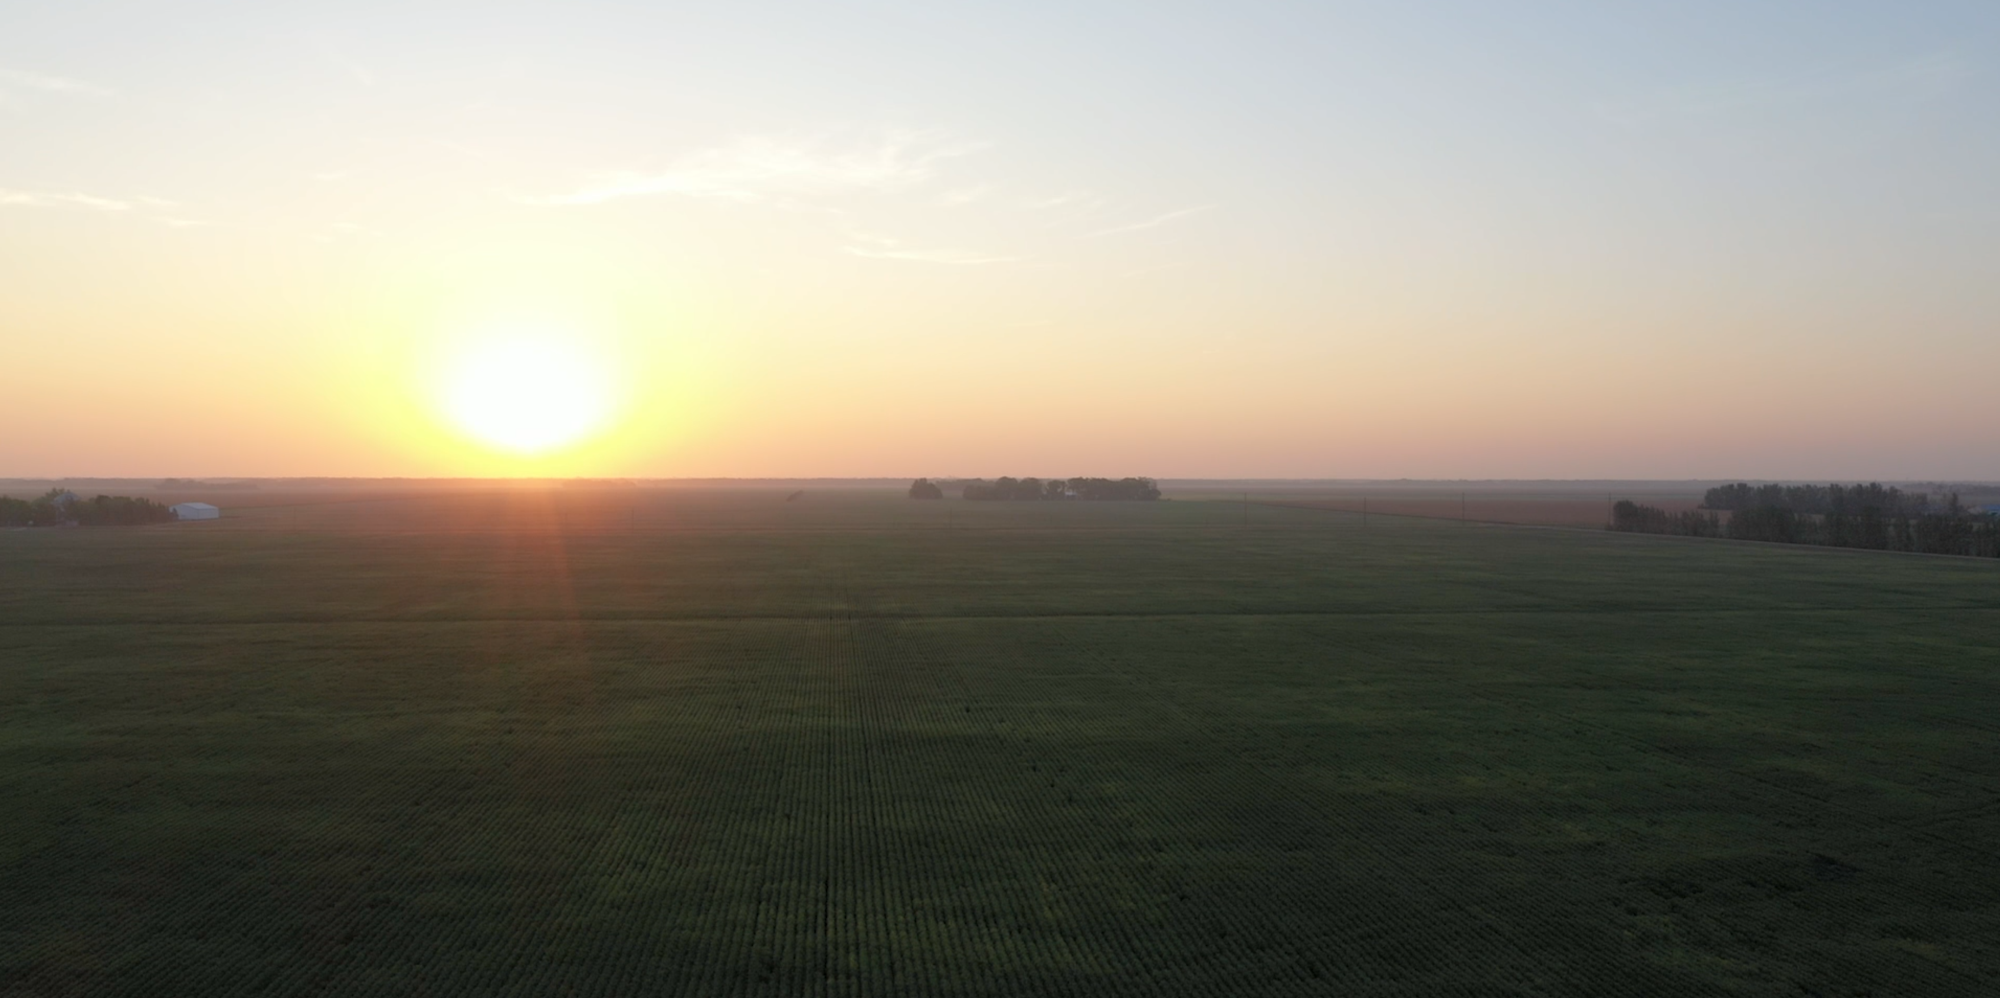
(58, 508)
(1766, 523)
(1817, 500)
(1856, 516)
(924, 488)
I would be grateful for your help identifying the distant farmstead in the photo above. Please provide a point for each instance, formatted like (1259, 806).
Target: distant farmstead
(195, 511)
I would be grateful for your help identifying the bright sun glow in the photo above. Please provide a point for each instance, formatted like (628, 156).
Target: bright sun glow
(528, 394)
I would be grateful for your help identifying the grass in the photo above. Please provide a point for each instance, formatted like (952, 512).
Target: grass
(712, 743)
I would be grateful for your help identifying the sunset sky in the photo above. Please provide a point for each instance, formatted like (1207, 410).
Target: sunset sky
(1224, 240)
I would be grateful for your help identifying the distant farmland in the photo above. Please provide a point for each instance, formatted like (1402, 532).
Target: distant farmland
(642, 741)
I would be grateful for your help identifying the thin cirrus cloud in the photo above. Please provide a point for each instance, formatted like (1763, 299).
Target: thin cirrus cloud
(1154, 222)
(159, 210)
(880, 247)
(40, 199)
(45, 83)
(767, 169)
(965, 195)
(1083, 200)
(816, 172)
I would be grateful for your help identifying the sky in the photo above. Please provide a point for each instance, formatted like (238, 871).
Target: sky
(1307, 240)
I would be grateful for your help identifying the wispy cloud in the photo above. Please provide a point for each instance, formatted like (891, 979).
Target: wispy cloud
(965, 195)
(1083, 199)
(1152, 223)
(41, 199)
(159, 210)
(879, 247)
(49, 84)
(763, 168)
(849, 177)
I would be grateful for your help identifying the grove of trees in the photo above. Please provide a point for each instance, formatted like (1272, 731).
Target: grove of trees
(1053, 489)
(1856, 516)
(54, 510)
(1818, 500)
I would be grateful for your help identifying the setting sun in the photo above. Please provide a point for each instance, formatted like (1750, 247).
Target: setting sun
(528, 393)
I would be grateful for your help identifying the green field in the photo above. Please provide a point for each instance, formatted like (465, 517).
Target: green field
(667, 742)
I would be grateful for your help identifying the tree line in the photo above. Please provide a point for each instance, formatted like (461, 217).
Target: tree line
(57, 508)
(1054, 489)
(1819, 500)
(1857, 516)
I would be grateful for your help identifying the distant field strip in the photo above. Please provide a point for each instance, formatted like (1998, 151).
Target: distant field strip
(422, 621)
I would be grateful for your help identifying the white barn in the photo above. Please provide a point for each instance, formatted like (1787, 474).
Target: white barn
(195, 511)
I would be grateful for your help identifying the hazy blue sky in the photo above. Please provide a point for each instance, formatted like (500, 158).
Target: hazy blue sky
(1437, 239)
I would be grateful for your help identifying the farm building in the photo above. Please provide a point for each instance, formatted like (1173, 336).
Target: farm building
(195, 511)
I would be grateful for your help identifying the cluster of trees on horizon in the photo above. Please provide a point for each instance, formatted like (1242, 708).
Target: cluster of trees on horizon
(58, 508)
(1857, 516)
(1632, 517)
(1056, 489)
(1820, 500)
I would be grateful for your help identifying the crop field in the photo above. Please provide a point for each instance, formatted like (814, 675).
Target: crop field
(677, 742)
